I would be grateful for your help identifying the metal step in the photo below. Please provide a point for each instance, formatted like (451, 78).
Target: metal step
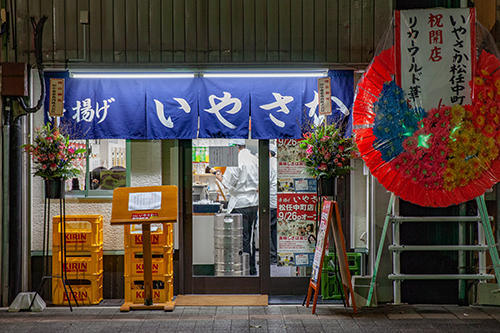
(438, 247)
(441, 276)
(483, 237)
(401, 219)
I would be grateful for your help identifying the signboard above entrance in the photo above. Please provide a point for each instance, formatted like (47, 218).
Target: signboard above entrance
(190, 108)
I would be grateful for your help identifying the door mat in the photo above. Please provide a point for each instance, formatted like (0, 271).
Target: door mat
(221, 300)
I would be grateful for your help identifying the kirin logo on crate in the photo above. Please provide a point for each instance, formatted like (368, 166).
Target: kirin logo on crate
(76, 295)
(139, 268)
(140, 294)
(76, 238)
(76, 267)
(155, 239)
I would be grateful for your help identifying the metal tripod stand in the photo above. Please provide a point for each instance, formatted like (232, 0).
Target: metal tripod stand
(45, 251)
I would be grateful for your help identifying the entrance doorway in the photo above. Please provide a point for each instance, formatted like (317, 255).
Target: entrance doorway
(198, 232)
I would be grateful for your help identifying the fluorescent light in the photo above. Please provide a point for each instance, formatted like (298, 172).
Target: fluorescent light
(131, 75)
(153, 75)
(266, 74)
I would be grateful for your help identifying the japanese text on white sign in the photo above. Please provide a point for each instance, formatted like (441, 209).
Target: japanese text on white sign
(144, 201)
(436, 53)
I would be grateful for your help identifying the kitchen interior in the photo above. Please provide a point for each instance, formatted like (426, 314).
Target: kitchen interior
(217, 244)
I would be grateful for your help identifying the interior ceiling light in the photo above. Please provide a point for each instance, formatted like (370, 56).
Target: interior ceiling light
(267, 74)
(157, 75)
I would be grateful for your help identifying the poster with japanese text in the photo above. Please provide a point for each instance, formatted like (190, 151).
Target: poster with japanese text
(291, 176)
(434, 55)
(296, 223)
(289, 159)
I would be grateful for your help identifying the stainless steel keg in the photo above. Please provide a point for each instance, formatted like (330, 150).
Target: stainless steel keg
(228, 244)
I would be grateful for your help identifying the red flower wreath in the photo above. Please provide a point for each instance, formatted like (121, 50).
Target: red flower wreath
(452, 156)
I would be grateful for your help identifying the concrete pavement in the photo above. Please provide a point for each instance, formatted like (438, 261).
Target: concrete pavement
(272, 318)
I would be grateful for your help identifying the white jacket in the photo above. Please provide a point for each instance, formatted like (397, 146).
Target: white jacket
(242, 182)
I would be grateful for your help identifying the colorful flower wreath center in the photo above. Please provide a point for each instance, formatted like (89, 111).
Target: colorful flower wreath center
(451, 142)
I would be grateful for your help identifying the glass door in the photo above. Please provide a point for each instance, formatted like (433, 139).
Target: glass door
(223, 242)
(225, 207)
(213, 259)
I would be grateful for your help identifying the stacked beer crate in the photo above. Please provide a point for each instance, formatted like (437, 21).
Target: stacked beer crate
(330, 284)
(162, 263)
(84, 259)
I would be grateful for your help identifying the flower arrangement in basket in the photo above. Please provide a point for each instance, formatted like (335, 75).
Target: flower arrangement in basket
(52, 155)
(328, 151)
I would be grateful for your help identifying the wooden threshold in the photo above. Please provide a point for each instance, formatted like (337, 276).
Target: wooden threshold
(222, 300)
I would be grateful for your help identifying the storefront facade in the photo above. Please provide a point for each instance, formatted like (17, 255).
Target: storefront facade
(100, 111)
(194, 36)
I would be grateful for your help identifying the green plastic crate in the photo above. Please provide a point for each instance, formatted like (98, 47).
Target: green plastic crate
(330, 289)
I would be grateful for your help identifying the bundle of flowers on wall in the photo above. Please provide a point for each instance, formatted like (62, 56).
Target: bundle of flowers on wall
(51, 154)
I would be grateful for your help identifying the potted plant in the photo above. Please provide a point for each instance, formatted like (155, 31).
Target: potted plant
(327, 155)
(53, 158)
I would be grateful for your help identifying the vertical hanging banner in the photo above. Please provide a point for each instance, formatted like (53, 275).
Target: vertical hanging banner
(435, 54)
(56, 106)
(276, 108)
(224, 108)
(103, 109)
(172, 110)
(119, 109)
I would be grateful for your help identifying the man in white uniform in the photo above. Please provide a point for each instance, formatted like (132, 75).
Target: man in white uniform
(242, 183)
(273, 202)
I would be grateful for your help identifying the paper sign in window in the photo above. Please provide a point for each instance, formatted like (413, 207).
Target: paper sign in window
(144, 201)
(223, 156)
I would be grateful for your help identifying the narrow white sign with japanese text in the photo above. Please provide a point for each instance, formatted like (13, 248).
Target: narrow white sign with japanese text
(56, 107)
(324, 96)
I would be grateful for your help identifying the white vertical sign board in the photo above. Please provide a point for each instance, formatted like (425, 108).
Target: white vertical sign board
(56, 97)
(223, 156)
(436, 51)
(324, 96)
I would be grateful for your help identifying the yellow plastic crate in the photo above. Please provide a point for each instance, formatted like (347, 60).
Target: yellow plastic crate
(83, 232)
(162, 263)
(85, 291)
(163, 289)
(79, 265)
(162, 236)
